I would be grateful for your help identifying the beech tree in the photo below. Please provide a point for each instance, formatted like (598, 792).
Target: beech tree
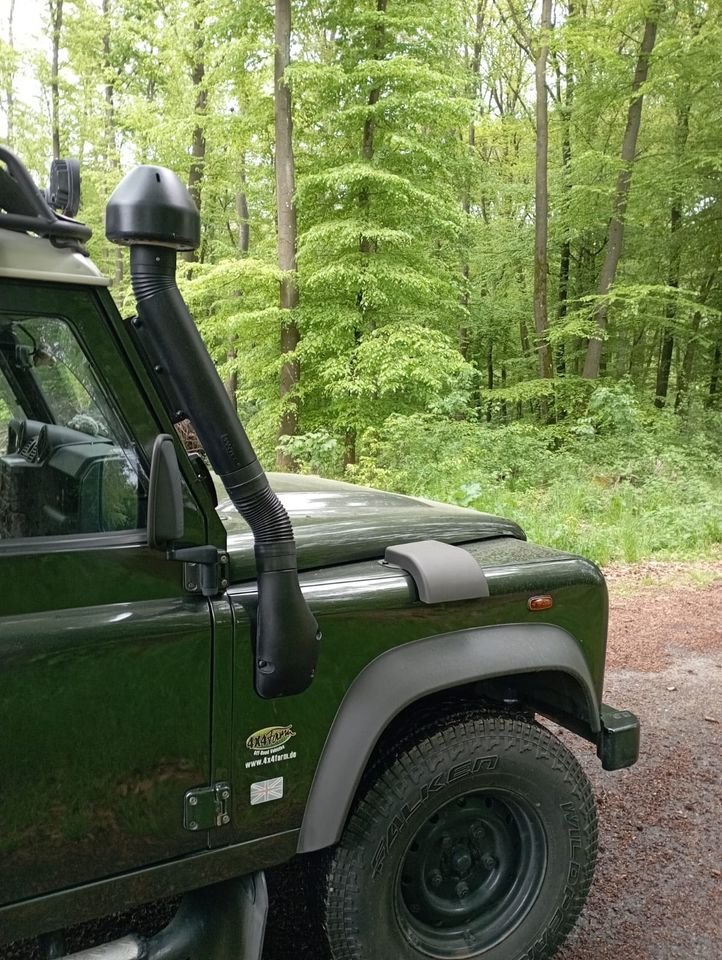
(196, 23)
(615, 231)
(56, 24)
(480, 212)
(8, 70)
(541, 207)
(286, 207)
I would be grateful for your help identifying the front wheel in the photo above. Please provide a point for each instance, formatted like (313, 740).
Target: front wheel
(478, 839)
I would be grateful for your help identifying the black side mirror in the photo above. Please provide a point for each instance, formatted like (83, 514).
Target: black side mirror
(165, 496)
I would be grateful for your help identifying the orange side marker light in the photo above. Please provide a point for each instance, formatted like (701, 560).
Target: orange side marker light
(540, 603)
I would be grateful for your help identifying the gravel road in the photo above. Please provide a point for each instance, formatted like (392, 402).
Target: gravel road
(658, 888)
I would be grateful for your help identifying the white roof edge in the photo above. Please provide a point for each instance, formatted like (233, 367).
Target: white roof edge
(34, 258)
(55, 277)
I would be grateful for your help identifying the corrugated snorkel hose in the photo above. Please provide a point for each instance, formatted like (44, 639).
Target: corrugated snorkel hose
(287, 639)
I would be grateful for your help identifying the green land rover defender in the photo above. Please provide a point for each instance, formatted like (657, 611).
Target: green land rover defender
(206, 671)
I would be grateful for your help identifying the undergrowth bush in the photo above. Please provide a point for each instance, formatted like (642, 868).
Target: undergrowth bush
(622, 482)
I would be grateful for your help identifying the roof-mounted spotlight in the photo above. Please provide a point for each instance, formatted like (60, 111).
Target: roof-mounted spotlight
(63, 192)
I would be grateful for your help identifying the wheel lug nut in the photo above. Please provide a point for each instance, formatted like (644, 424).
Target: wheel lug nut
(477, 831)
(446, 842)
(488, 861)
(435, 878)
(462, 889)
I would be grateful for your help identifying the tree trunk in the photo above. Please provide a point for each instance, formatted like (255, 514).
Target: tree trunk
(244, 228)
(637, 352)
(685, 373)
(714, 376)
(541, 229)
(665, 355)
(524, 337)
(231, 382)
(464, 340)
(690, 353)
(665, 363)
(566, 250)
(56, 24)
(285, 197)
(10, 87)
(367, 144)
(489, 379)
(367, 246)
(475, 69)
(615, 231)
(198, 144)
(244, 241)
(667, 347)
(563, 304)
(112, 157)
(369, 130)
(109, 89)
(647, 362)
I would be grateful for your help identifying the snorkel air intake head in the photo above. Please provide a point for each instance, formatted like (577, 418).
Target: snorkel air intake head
(152, 212)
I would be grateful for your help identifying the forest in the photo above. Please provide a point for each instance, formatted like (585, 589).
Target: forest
(466, 250)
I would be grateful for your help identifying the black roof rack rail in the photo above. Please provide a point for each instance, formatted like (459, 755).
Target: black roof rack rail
(23, 208)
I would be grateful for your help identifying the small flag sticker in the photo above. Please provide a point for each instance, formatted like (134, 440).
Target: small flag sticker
(266, 790)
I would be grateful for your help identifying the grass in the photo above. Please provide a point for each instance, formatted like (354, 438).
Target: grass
(625, 523)
(647, 487)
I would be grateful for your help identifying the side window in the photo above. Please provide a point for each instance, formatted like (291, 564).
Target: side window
(9, 411)
(67, 465)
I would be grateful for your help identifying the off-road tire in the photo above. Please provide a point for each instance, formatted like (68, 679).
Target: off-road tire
(477, 773)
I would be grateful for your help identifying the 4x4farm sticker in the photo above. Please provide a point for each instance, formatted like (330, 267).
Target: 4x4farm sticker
(267, 746)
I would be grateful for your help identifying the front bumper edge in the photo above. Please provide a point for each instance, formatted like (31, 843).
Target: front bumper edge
(618, 740)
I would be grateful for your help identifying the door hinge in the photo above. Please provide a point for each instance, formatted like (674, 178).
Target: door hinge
(205, 808)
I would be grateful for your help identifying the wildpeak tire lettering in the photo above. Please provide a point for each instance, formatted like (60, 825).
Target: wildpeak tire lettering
(441, 780)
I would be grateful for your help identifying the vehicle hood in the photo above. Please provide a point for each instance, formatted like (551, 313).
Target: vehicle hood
(341, 523)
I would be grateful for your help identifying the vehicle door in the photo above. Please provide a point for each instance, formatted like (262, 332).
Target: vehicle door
(105, 661)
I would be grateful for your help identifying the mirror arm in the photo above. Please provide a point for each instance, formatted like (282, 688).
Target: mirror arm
(205, 554)
(204, 566)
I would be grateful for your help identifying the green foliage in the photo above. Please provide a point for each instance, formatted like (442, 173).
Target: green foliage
(316, 452)
(613, 408)
(379, 217)
(415, 145)
(626, 488)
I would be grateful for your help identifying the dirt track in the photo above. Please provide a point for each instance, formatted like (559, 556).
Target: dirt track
(657, 894)
(658, 889)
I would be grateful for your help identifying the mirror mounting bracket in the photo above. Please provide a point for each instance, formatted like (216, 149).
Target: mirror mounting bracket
(205, 569)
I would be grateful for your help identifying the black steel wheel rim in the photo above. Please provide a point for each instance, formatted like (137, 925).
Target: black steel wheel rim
(470, 874)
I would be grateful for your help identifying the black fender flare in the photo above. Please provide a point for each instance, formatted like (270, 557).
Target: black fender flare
(408, 673)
